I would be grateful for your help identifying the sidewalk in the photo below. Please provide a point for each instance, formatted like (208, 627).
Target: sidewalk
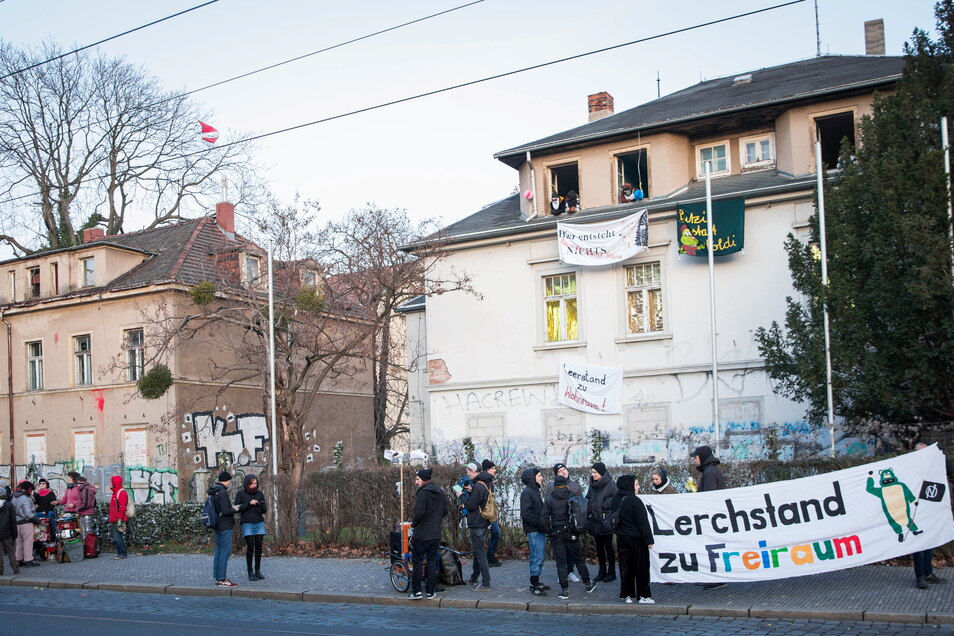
(868, 593)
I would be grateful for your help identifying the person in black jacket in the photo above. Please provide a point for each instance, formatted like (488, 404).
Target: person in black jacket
(634, 538)
(251, 503)
(600, 496)
(557, 521)
(8, 533)
(430, 508)
(531, 514)
(708, 464)
(479, 527)
(223, 529)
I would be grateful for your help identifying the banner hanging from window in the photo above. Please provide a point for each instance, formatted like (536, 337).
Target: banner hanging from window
(728, 227)
(833, 521)
(604, 242)
(590, 389)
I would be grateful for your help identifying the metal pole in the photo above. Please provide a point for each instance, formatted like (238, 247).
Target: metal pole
(947, 174)
(824, 272)
(712, 305)
(817, 32)
(271, 383)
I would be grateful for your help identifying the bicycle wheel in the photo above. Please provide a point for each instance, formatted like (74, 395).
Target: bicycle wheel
(400, 576)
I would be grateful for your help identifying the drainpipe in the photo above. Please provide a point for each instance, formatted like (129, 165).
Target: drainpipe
(13, 463)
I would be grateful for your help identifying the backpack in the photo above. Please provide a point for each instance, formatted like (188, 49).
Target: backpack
(614, 518)
(489, 510)
(451, 572)
(130, 503)
(210, 513)
(89, 498)
(578, 511)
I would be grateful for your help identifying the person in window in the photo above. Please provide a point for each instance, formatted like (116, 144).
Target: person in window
(572, 202)
(557, 204)
(628, 194)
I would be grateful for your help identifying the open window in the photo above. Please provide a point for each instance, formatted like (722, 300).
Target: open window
(632, 176)
(564, 188)
(832, 129)
(34, 282)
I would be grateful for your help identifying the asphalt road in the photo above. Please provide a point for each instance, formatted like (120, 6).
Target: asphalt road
(26, 610)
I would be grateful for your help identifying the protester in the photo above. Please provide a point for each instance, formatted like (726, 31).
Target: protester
(219, 491)
(557, 521)
(492, 561)
(251, 503)
(575, 488)
(430, 508)
(532, 512)
(712, 479)
(600, 497)
(634, 537)
(479, 529)
(462, 490)
(923, 566)
(86, 506)
(661, 483)
(26, 522)
(45, 500)
(71, 498)
(8, 532)
(118, 517)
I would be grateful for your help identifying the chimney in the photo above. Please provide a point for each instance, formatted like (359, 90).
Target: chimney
(874, 37)
(600, 105)
(225, 216)
(93, 234)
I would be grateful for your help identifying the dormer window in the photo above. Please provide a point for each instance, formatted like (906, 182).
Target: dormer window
(253, 270)
(758, 151)
(718, 157)
(309, 278)
(632, 176)
(88, 270)
(564, 189)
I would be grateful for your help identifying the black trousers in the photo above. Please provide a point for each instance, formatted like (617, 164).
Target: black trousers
(421, 550)
(8, 547)
(605, 554)
(633, 567)
(564, 542)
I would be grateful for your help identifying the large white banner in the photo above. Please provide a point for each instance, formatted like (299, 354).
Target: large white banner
(590, 389)
(604, 242)
(803, 526)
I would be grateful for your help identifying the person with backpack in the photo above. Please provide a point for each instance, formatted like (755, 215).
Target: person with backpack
(430, 508)
(600, 497)
(251, 503)
(560, 469)
(531, 515)
(8, 532)
(481, 505)
(224, 524)
(634, 538)
(26, 520)
(494, 529)
(565, 520)
(118, 515)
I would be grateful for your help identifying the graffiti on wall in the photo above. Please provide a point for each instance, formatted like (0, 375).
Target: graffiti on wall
(240, 437)
(147, 485)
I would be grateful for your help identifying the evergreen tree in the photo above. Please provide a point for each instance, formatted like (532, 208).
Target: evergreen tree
(890, 296)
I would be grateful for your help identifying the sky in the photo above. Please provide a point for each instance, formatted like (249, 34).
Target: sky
(434, 156)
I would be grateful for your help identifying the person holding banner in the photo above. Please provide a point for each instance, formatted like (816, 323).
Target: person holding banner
(661, 483)
(923, 566)
(634, 538)
(712, 479)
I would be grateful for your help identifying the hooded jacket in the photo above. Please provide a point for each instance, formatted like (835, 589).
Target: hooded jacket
(243, 499)
(23, 505)
(478, 499)
(633, 518)
(532, 509)
(86, 494)
(600, 497)
(712, 478)
(430, 508)
(666, 487)
(220, 495)
(119, 501)
(557, 506)
(8, 521)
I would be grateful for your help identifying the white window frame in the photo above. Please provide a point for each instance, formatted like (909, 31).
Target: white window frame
(135, 359)
(700, 168)
(88, 271)
(34, 457)
(644, 290)
(562, 298)
(88, 460)
(83, 361)
(251, 281)
(757, 139)
(34, 366)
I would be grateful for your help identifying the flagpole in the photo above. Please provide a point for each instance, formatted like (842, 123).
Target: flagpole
(824, 273)
(271, 380)
(947, 180)
(712, 306)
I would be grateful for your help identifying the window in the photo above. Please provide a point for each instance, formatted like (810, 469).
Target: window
(252, 269)
(84, 360)
(89, 272)
(36, 448)
(84, 448)
(135, 448)
(34, 282)
(565, 430)
(717, 155)
(134, 355)
(564, 181)
(832, 129)
(55, 277)
(12, 280)
(309, 278)
(632, 176)
(559, 295)
(758, 151)
(644, 306)
(34, 366)
(489, 428)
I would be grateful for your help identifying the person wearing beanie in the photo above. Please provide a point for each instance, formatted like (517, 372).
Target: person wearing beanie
(251, 504)
(560, 470)
(634, 537)
(600, 498)
(480, 493)
(712, 479)
(563, 539)
(661, 483)
(531, 515)
(492, 561)
(430, 508)
(26, 520)
(219, 491)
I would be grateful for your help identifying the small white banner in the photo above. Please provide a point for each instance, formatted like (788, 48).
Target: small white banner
(590, 389)
(604, 242)
(828, 522)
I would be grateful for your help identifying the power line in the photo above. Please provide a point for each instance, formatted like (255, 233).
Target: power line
(119, 35)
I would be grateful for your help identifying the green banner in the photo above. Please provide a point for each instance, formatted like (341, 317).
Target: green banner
(728, 228)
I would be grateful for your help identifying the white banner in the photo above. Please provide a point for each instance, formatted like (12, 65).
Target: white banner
(838, 520)
(604, 242)
(590, 389)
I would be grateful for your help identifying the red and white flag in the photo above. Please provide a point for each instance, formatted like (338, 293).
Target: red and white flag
(209, 133)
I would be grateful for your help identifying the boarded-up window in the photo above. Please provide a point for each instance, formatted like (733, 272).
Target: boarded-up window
(740, 413)
(135, 449)
(36, 448)
(487, 427)
(84, 448)
(645, 428)
(564, 429)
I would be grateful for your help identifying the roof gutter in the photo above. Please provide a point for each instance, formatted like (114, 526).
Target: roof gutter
(13, 463)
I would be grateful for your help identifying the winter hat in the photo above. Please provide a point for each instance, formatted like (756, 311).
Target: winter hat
(425, 474)
(661, 472)
(487, 464)
(473, 467)
(557, 467)
(225, 476)
(25, 486)
(703, 453)
(600, 467)
(626, 484)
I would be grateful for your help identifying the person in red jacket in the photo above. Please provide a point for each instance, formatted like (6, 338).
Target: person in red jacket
(118, 504)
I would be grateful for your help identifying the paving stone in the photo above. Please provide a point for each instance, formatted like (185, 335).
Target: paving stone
(940, 618)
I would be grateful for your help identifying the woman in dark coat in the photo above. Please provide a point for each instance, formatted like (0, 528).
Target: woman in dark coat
(251, 504)
(600, 497)
(634, 538)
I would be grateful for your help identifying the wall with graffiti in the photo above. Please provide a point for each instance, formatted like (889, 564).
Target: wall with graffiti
(147, 485)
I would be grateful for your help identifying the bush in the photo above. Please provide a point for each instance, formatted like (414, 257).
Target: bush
(157, 523)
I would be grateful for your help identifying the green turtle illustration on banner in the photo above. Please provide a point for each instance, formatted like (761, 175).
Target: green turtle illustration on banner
(896, 499)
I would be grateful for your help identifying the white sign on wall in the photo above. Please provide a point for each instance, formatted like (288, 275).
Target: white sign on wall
(590, 389)
(833, 521)
(604, 242)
